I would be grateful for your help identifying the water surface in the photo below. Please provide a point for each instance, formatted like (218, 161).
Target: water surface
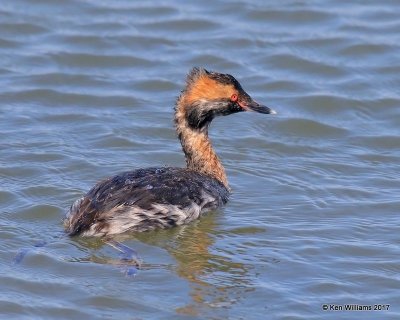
(87, 90)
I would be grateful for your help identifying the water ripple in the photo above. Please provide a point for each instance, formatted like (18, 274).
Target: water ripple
(87, 90)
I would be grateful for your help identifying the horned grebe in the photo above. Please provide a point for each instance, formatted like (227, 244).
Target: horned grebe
(151, 198)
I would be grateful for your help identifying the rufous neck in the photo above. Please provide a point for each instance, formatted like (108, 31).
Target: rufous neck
(199, 153)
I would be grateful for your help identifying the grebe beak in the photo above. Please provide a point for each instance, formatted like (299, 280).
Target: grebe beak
(256, 107)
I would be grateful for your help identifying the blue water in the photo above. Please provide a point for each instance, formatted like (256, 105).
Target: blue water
(87, 90)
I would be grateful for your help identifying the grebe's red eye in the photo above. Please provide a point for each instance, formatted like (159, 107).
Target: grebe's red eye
(234, 97)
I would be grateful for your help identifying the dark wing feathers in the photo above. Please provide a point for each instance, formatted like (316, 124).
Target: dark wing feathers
(143, 188)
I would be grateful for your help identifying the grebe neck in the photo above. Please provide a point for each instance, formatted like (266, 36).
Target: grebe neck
(199, 153)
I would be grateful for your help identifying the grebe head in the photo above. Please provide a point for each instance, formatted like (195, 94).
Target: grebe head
(210, 94)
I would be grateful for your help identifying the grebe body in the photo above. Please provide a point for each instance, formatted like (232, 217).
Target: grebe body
(147, 199)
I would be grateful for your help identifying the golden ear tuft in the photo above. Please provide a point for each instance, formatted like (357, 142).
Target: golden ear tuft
(195, 74)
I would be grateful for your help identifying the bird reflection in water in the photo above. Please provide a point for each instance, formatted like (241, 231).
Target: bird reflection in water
(215, 280)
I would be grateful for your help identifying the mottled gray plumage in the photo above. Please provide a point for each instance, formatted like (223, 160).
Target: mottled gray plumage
(143, 200)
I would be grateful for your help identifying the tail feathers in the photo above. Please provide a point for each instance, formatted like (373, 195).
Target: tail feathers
(80, 217)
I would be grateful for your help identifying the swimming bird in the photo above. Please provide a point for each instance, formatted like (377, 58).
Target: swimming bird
(163, 197)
